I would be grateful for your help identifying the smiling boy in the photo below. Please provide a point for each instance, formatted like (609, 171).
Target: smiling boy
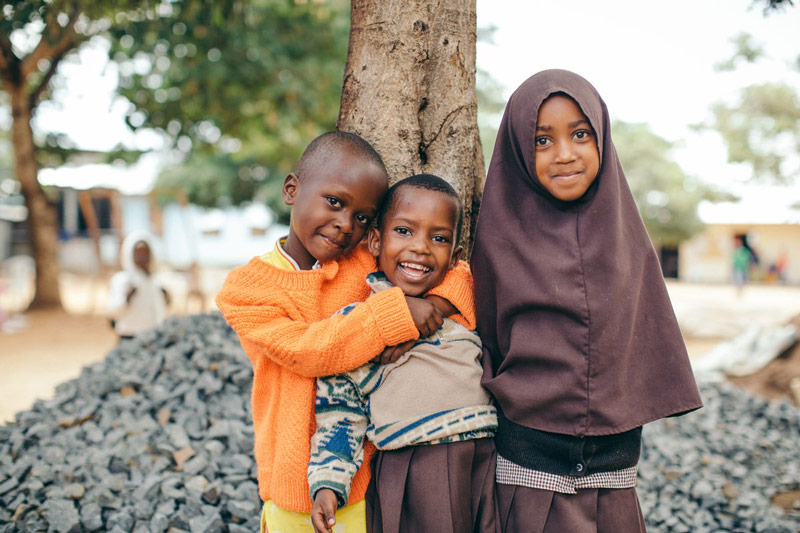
(280, 305)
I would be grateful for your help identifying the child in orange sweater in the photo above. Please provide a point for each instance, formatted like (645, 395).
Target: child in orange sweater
(281, 306)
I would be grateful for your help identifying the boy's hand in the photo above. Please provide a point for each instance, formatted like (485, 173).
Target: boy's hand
(427, 317)
(324, 510)
(393, 353)
(442, 304)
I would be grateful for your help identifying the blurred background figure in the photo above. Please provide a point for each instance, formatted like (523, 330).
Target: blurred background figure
(780, 266)
(743, 257)
(136, 301)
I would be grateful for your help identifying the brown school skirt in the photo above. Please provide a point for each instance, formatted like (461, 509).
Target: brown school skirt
(589, 511)
(442, 488)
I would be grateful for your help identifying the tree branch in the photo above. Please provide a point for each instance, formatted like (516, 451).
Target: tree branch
(64, 42)
(37, 92)
(7, 59)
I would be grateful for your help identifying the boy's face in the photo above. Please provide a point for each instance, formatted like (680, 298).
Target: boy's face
(415, 245)
(141, 255)
(566, 157)
(332, 206)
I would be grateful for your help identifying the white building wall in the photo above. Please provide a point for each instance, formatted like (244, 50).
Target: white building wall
(708, 256)
(217, 237)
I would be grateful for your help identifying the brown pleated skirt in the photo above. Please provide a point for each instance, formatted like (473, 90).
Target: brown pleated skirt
(589, 511)
(442, 488)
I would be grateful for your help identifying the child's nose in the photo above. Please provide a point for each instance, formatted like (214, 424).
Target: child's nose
(564, 152)
(345, 223)
(419, 244)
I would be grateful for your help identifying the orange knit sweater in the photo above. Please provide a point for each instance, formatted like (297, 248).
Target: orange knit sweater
(285, 325)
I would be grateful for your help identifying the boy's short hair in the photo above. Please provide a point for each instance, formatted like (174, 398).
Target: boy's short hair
(324, 145)
(421, 181)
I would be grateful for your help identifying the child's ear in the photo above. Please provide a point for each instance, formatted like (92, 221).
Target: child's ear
(374, 241)
(289, 189)
(457, 252)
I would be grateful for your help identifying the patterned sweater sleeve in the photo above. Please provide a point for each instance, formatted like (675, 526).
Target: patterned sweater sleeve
(337, 447)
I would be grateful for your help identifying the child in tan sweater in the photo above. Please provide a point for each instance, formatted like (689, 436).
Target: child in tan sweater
(427, 413)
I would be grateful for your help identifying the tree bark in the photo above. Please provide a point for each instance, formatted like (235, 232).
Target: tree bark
(409, 89)
(41, 215)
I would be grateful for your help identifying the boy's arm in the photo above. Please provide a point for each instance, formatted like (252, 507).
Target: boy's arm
(330, 346)
(456, 288)
(337, 447)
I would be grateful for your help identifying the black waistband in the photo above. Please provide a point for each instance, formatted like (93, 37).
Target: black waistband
(566, 454)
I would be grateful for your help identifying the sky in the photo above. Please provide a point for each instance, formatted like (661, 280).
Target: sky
(651, 62)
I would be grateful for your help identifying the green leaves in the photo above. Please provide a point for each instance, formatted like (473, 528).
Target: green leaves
(747, 50)
(761, 128)
(667, 198)
(252, 85)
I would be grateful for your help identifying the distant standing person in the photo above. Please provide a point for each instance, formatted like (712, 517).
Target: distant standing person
(136, 300)
(780, 266)
(741, 262)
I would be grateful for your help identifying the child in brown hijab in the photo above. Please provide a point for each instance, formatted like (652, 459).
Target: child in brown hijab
(581, 345)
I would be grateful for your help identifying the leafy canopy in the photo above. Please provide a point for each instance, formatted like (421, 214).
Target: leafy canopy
(243, 92)
(762, 127)
(667, 198)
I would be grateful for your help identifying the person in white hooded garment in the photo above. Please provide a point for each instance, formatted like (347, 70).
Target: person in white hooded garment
(136, 300)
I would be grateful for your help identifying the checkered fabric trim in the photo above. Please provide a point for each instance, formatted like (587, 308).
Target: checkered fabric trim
(509, 473)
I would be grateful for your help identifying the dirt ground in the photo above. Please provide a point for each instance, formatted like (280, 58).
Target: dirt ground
(49, 347)
(780, 378)
(40, 349)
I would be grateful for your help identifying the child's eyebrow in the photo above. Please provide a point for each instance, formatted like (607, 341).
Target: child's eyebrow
(413, 222)
(548, 127)
(444, 229)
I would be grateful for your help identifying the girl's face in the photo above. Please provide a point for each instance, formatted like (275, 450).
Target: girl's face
(566, 159)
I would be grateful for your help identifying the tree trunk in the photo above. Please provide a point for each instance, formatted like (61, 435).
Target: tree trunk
(41, 215)
(409, 89)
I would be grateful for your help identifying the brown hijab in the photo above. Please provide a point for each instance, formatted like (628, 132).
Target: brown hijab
(579, 334)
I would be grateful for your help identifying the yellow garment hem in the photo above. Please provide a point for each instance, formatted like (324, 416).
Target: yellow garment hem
(349, 519)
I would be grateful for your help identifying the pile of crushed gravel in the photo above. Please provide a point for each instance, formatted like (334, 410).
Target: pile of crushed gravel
(158, 437)
(719, 468)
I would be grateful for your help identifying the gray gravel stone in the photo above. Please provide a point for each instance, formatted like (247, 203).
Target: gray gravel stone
(61, 515)
(122, 520)
(91, 517)
(208, 523)
(242, 509)
(159, 523)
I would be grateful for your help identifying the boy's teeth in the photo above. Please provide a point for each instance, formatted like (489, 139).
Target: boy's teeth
(413, 266)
